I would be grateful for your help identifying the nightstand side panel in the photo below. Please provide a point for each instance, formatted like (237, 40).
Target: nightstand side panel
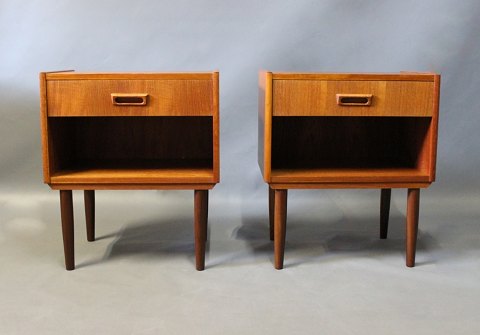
(265, 123)
(216, 126)
(434, 128)
(44, 128)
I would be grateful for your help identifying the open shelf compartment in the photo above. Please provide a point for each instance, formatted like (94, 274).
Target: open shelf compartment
(119, 150)
(350, 149)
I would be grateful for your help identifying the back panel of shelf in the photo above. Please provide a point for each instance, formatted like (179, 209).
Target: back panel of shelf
(131, 142)
(350, 143)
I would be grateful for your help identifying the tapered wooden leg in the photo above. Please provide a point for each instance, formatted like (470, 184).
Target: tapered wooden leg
(384, 211)
(271, 210)
(200, 213)
(89, 198)
(280, 220)
(66, 210)
(206, 219)
(413, 203)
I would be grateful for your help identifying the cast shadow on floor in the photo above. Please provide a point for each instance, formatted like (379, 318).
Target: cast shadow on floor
(316, 241)
(308, 240)
(152, 240)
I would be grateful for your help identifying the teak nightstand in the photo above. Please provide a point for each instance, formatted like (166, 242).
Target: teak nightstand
(319, 130)
(129, 131)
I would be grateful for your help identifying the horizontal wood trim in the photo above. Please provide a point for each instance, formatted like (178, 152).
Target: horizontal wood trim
(70, 75)
(351, 175)
(134, 176)
(131, 186)
(407, 76)
(165, 97)
(314, 186)
(319, 98)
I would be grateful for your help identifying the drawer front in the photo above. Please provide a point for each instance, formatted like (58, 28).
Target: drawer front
(130, 97)
(352, 98)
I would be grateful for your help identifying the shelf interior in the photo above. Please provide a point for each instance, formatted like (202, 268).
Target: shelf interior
(350, 148)
(131, 149)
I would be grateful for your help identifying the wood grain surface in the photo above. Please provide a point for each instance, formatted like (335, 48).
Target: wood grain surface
(305, 136)
(165, 97)
(318, 98)
(173, 139)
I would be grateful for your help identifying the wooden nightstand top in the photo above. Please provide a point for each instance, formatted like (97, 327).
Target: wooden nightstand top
(71, 75)
(402, 76)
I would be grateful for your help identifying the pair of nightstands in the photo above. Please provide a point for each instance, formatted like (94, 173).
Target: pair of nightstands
(161, 131)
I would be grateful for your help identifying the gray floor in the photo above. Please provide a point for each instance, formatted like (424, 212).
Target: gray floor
(139, 276)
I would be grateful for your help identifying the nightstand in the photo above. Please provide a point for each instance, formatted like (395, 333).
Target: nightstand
(321, 130)
(130, 131)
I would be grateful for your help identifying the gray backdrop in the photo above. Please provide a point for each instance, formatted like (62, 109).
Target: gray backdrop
(139, 277)
(238, 38)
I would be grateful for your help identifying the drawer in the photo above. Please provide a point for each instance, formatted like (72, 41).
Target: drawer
(129, 97)
(353, 98)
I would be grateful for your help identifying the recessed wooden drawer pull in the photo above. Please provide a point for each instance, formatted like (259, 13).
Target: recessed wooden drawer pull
(129, 99)
(354, 99)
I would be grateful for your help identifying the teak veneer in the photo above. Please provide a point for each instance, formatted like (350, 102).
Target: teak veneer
(333, 130)
(130, 131)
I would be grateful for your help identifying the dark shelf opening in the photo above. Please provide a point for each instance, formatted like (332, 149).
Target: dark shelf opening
(348, 142)
(131, 142)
